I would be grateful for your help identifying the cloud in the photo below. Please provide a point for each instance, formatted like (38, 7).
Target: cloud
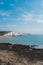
(16, 1)
(8, 19)
(20, 9)
(31, 17)
(42, 3)
(4, 13)
(1, 3)
(13, 25)
(24, 17)
(11, 4)
(27, 17)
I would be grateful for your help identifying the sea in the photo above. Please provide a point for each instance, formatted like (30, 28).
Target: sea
(24, 39)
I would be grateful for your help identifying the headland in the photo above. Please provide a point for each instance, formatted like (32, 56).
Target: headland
(18, 54)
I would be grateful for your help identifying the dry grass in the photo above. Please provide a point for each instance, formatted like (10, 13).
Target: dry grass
(13, 58)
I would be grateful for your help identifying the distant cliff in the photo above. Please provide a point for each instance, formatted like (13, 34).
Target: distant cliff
(4, 32)
(9, 33)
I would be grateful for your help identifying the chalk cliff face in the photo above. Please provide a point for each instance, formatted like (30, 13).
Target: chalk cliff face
(5, 34)
(16, 54)
(9, 33)
(12, 34)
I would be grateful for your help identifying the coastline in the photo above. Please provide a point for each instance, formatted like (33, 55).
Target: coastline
(18, 54)
(4, 37)
(5, 34)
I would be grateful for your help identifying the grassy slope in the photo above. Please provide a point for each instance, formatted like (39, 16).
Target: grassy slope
(13, 58)
(21, 55)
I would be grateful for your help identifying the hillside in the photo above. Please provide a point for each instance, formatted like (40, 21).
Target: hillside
(4, 32)
(16, 54)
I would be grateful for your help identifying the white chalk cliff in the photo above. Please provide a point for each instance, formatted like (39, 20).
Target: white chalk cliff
(12, 34)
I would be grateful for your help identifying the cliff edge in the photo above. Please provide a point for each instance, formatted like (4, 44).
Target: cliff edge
(17, 54)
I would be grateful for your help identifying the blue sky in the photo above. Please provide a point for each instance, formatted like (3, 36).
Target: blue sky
(22, 16)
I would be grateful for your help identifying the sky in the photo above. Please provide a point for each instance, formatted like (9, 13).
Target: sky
(21, 16)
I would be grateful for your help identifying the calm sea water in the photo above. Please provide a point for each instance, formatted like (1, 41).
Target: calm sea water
(25, 39)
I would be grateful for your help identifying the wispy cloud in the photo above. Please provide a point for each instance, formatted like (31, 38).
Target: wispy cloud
(27, 17)
(42, 3)
(1, 3)
(9, 19)
(11, 4)
(4, 13)
(16, 1)
(9, 25)
(31, 17)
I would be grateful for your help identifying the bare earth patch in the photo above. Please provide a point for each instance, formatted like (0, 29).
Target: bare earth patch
(13, 58)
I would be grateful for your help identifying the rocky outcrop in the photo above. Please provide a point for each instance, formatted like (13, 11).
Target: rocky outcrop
(17, 54)
(4, 46)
